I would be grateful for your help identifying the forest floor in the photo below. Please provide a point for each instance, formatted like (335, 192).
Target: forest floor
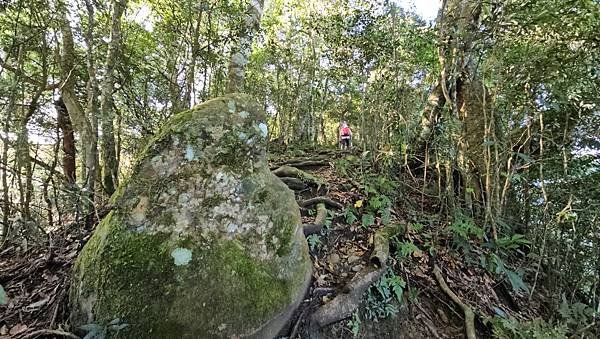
(37, 276)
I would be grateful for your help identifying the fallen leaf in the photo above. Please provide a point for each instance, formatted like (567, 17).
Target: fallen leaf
(358, 204)
(3, 330)
(19, 328)
(36, 304)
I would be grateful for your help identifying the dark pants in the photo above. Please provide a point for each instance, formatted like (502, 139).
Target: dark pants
(345, 142)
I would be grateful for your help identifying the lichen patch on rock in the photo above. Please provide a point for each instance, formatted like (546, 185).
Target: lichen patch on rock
(181, 256)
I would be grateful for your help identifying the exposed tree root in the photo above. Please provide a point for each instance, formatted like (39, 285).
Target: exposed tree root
(343, 305)
(50, 333)
(331, 203)
(381, 250)
(293, 172)
(308, 163)
(317, 226)
(293, 183)
(429, 325)
(469, 315)
(318, 160)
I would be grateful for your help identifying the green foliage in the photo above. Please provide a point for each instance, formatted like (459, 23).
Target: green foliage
(349, 215)
(534, 329)
(497, 266)
(416, 227)
(354, 324)
(574, 318)
(512, 242)
(314, 241)
(367, 220)
(464, 228)
(383, 298)
(404, 249)
(379, 185)
(329, 219)
(576, 315)
(3, 297)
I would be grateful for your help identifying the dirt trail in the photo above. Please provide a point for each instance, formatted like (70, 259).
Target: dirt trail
(341, 252)
(37, 279)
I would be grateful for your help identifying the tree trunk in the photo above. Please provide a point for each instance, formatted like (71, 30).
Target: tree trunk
(75, 110)
(110, 166)
(241, 54)
(461, 89)
(68, 144)
(189, 96)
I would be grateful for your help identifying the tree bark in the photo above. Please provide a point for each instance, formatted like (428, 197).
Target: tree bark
(91, 108)
(68, 141)
(75, 110)
(241, 53)
(110, 166)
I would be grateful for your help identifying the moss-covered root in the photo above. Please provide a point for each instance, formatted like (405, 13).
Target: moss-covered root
(293, 172)
(317, 226)
(293, 183)
(343, 305)
(316, 200)
(469, 315)
(381, 251)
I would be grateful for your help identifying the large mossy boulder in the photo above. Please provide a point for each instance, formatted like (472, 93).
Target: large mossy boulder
(203, 242)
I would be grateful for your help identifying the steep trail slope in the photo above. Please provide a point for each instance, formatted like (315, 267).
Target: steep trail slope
(338, 197)
(405, 299)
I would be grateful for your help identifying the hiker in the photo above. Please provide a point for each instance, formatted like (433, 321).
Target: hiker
(345, 136)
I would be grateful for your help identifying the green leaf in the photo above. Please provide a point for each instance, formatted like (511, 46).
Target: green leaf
(516, 281)
(350, 217)
(367, 220)
(398, 285)
(313, 241)
(3, 297)
(564, 309)
(386, 216)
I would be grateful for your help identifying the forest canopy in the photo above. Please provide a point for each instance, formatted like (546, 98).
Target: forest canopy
(493, 109)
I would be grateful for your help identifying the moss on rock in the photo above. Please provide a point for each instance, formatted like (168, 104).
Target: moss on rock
(204, 241)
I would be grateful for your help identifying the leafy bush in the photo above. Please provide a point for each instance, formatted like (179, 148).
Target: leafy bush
(384, 296)
(354, 324)
(313, 241)
(534, 329)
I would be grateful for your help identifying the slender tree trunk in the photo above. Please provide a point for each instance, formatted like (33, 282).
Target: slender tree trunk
(6, 210)
(241, 54)
(189, 97)
(68, 144)
(75, 110)
(24, 156)
(91, 113)
(110, 166)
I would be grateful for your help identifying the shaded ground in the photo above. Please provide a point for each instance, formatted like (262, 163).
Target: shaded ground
(37, 278)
